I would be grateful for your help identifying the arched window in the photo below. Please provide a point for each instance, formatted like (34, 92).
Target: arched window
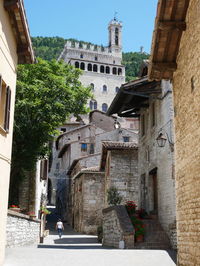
(107, 70)
(82, 66)
(102, 69)
(95, 68)
(116, 89)
(114, 71)
(119, 71)
(105, 88)
(92, 86)
(89, 68)
(104, 107)
(76, 64)
(93, 105)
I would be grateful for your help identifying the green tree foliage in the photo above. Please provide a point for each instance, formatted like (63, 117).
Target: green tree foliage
(50, 48)
(47, 93)
(132, 62)
(114, 196)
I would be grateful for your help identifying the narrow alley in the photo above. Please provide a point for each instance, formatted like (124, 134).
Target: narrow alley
(76, 249)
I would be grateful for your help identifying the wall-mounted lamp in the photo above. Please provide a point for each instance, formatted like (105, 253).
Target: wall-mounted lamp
(161, 140)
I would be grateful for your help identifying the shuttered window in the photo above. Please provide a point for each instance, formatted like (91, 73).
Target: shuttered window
(5, 98)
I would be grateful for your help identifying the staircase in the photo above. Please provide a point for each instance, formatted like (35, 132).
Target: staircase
(155, 237)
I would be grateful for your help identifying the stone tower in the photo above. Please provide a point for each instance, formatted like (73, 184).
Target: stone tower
(102, 66)
(115, 36)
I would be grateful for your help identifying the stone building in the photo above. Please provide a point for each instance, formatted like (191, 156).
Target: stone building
(102, 66)
(15, 47)
(83, 145)
(89, 185)
(175, 56)
(152, 102)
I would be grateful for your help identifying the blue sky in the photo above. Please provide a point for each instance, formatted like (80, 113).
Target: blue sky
(87, 20)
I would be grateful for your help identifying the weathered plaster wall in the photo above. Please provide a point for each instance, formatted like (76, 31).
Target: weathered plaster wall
(187, 125)
(21, 230)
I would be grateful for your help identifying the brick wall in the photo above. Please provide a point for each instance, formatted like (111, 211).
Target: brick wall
(117, 227)
(21, 230)
(187, 125)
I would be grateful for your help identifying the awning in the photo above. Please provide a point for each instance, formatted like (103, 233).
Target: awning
(133, 96)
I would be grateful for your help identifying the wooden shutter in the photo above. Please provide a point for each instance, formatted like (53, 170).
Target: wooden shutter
(7, 109)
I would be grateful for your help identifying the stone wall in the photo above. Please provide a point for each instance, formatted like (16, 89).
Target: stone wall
(88, 202)
(159, 160)
(117, 227)
(21, 230)
(186, 86)
(122, 173)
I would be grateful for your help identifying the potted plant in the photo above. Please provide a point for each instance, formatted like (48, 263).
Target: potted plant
(14, 208)
(44, 210)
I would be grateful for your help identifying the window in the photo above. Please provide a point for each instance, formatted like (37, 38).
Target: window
(96, 58)
(93, 105)
(102, 69)
(81, 56)
(104, 107)
(43, 169)
(95, 68)
(116, 89)
(107, 70)
(143, 125)
(89, 68)
(116, 36)
(153, 115)
(92, 148)
(92, 86)
(76, 64)
(104, 88)
(5, 97)
(119, 71)
(82, 66)
(84, 147)
(126, 139)
(114, 71)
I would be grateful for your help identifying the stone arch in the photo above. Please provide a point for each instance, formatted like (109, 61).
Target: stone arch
(82, 66)
(119, 71)
(89, 68)
(95, 68)
(107, 70)
(114, 71)
(102, 69)
(76, 64)
(104, 107)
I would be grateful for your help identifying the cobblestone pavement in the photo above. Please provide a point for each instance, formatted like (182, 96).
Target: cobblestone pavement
(80, 250)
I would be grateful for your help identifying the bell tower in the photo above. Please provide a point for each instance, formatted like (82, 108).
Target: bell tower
(115, 36)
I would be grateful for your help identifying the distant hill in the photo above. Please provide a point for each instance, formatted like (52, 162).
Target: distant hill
(50, 48)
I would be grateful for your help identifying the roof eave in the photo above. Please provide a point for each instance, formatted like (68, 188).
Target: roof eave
(16, 11)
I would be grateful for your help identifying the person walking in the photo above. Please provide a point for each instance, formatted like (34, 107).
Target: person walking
(59, 227)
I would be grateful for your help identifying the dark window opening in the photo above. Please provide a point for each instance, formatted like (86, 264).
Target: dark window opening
(107, 70)
(119, 71)
(89, 67)
(126, 139)
(116, 89)
(104, 88)
(102, 69)
(82, 66)
(114, 71)
(76, 64)
(104, 107)
(95, 68)
(92, 148)
(84, 147)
